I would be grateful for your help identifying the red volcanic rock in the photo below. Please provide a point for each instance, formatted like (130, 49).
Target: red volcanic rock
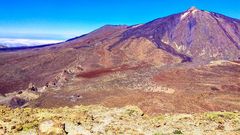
(99, 72)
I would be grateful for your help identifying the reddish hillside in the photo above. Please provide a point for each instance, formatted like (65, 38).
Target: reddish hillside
(169, 55)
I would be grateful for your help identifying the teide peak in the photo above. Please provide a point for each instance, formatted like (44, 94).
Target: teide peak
(194, 34)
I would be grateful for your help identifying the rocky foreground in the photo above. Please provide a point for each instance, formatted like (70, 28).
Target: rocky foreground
(87, 120)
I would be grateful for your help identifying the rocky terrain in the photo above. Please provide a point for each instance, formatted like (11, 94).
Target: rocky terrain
(97, 120)
(214, 87)
(158, 69)
(182, 65)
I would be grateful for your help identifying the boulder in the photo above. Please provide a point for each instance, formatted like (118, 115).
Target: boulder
(51, 127)
(17, 102)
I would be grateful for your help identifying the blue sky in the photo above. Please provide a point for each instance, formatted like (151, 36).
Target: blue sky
(63, 19)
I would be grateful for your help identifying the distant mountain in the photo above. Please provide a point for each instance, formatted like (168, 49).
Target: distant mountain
(11, 42)
(2, 46)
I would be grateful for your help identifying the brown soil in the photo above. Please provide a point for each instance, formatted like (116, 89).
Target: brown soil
(103, 71)
(197, 89)
(150, 103)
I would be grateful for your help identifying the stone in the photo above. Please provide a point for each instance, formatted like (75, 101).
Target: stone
(51, 127)
(73, 129)
(17, 102)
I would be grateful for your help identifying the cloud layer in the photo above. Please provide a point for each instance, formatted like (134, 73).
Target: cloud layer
(11, 42)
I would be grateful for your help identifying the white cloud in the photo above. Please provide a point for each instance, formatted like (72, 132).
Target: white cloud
(11, 42)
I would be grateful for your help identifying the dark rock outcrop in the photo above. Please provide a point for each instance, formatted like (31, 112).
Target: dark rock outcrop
(17, 102)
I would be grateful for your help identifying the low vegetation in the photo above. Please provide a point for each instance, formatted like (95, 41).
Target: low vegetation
(96, 119)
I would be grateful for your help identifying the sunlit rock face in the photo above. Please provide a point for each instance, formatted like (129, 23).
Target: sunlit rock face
(194, 34)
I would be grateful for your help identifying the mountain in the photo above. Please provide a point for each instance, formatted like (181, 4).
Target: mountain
(2, 46)
(194, 34)
(186, 62)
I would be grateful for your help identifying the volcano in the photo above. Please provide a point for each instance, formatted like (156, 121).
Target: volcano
(180, 63)
(193, 35)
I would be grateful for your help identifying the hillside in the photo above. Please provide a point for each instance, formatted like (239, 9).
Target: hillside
(186, 62)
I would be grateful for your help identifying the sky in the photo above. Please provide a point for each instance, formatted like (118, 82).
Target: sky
(64, 19)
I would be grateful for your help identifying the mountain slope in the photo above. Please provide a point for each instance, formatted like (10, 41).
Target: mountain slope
(43, 65)
(190, 56)
(194, 34)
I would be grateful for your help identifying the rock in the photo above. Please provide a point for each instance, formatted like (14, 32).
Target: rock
(2, 130)
(28, 95)
(42, 89)
(75, 98)
(73, 129)
(32, 87)
(51, 127)
(17, 102)
(28, 132)
(20, 92)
